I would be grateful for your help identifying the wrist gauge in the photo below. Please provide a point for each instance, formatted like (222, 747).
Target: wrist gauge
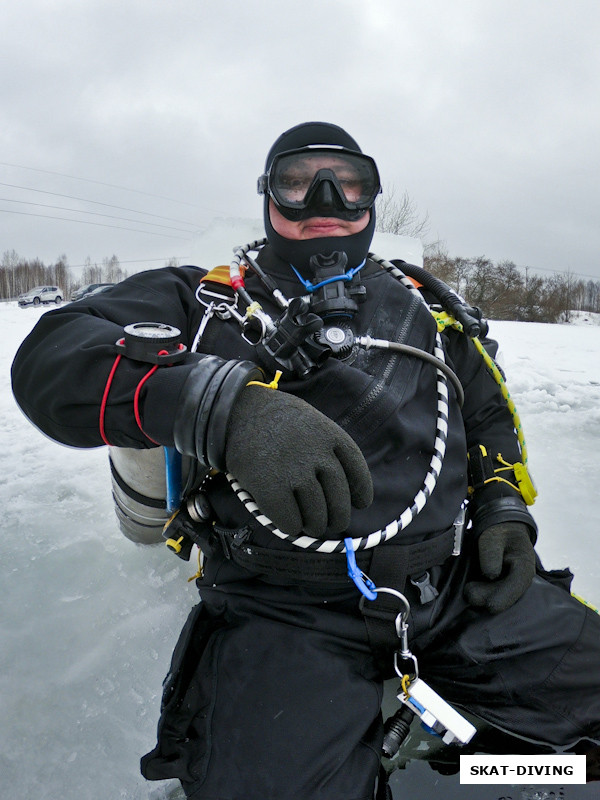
(152, 343)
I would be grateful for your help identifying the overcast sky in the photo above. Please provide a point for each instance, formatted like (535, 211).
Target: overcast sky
(487, 113)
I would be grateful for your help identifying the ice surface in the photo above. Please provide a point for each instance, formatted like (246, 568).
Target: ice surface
(89, 620)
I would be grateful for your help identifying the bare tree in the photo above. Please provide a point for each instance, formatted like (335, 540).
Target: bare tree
(532, 302)
(592, 296)
(62, 274)
(400, 215)
(570, 291)
(92, 273)
(111, 270)
(437, 261)
(10, 261)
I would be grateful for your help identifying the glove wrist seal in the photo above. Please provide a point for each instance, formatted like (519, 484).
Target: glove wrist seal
(230, 388)
(207, 397)
(503, 509)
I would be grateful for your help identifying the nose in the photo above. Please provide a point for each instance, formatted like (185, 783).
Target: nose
(325, 197)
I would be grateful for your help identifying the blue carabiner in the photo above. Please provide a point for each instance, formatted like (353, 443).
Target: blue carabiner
(364, 584)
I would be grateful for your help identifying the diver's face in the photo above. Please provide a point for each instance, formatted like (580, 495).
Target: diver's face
(315, 227)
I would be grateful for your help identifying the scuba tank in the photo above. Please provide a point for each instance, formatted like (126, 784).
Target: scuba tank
(147, 489)
(139, 489)
(147, 484)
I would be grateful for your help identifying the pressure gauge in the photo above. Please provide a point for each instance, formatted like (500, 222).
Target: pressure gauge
(152, 342)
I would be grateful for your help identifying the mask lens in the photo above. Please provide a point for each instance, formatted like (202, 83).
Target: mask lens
(292, 179)
(295, 177)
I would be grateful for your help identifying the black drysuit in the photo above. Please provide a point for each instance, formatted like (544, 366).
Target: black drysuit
(275, 685)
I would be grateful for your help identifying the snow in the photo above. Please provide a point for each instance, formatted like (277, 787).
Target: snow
(89, 620)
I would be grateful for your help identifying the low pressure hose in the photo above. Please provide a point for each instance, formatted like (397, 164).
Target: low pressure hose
(368, 342)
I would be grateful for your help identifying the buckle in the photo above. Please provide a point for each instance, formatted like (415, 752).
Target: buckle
(230, 538)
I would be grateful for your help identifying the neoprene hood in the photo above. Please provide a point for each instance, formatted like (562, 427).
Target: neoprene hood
(297, 252)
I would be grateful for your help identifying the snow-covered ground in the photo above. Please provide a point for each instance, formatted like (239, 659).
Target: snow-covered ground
(88, 619)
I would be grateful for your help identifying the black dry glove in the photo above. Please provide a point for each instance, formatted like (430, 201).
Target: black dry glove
(507, 560)
(303, 470)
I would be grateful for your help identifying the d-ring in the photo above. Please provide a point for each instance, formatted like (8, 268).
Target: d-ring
(394, 592)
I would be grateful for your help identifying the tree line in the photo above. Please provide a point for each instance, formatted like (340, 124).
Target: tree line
(19, 275)
(502, 290)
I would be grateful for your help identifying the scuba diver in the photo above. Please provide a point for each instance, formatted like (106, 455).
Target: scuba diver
(355, 481)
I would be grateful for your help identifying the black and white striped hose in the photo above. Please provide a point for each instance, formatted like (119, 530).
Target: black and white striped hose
(435, 465)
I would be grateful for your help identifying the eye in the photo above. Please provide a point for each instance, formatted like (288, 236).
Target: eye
(294, 182)
(352, 188)
(293, 186)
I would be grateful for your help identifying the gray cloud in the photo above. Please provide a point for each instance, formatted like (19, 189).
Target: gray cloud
(486, 113)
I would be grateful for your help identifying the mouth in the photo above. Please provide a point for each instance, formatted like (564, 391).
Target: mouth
(326, 226)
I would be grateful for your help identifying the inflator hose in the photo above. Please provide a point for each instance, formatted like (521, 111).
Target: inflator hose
(447, 297)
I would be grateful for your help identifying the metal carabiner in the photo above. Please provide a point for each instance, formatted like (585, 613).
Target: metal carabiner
(404, 653)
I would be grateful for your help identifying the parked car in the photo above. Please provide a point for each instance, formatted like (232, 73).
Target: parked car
(90, 288)
(41, 294)
(98, 290)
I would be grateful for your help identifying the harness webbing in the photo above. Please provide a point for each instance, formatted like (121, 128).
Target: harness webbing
(392, 563)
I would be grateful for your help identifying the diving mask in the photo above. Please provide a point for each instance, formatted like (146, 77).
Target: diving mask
(321, 181)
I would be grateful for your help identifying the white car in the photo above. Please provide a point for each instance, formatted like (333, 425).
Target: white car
(41, 294)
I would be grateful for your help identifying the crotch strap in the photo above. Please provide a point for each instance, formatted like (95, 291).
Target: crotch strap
(391, 566)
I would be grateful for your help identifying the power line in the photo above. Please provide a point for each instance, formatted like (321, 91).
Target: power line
(96, 202)
(535, 269)
(132, 261)
(557, 271)
(93, 213)
(101, 183)
(87, 222)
